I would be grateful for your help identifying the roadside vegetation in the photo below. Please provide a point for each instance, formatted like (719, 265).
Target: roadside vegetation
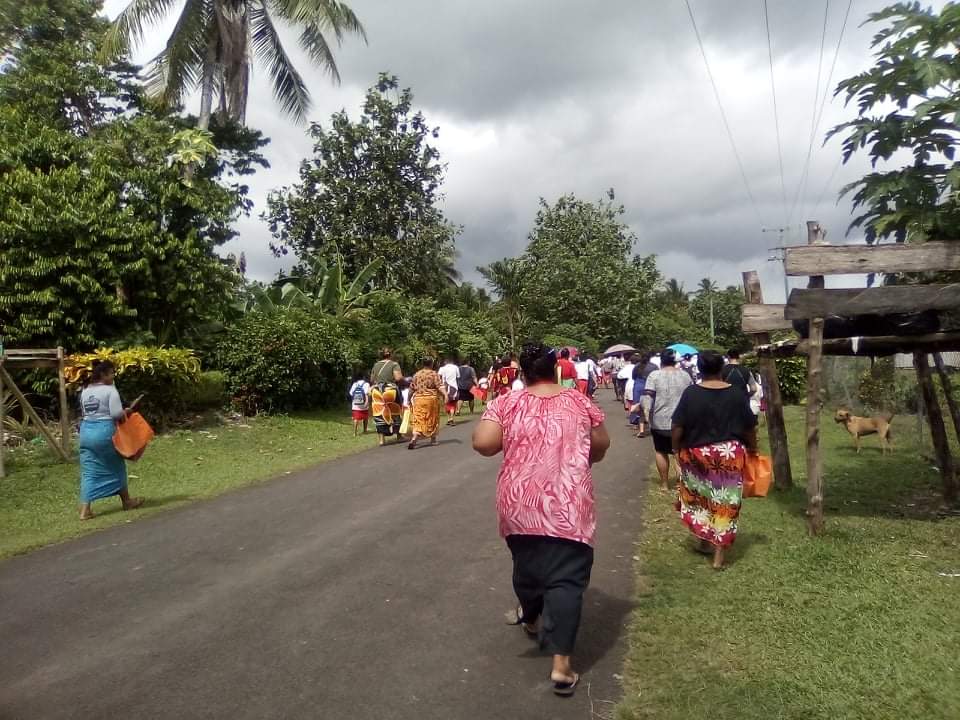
(40, 495)
(858, 623)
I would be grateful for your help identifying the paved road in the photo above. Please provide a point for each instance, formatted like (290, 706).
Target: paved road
(356, 589)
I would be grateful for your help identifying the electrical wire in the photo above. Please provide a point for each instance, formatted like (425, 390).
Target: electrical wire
(723, 114)
(813, 116)
(823, 103)
(776, 114)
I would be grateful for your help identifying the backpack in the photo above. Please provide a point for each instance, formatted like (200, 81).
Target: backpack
(357, 394)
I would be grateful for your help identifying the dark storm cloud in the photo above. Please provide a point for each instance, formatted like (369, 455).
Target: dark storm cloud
(542, 97)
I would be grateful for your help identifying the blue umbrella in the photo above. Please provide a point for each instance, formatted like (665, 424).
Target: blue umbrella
(683, 349)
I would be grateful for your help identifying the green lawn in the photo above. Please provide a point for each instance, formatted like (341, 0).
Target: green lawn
(858, 623)
(38, 498)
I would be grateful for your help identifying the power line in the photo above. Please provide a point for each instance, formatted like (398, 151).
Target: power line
(776, 114)
(826, 185)
(723, 114)
(813, 116)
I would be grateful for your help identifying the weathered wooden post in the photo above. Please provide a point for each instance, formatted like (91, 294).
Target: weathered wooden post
(3, 418)
(64, 408)
(938, 432)
(815, 236)
(776, 428)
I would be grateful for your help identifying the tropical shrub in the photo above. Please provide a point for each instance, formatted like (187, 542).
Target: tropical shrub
(792, 374)
(211, 391)
(284, 360)
(168, 378)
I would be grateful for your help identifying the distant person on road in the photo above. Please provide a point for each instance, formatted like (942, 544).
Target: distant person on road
(385, 401)
(449, 372)
(466, 382)
(359, 394)
(426, 396)
(566, 370)
(545, 500)
(713, 429)
(103, 471)
(623, 375)
(661, 393)
(503, 375)
(737, 375)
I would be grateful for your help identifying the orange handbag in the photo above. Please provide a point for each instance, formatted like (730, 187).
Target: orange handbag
(757, 475)
(132, 436)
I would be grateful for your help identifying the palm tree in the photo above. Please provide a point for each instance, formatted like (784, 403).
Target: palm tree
(707, 286)
(215, 41)
(674, 294)
(506, 278)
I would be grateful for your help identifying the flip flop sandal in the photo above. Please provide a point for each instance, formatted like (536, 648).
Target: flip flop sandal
(530, 630)
(566, 689)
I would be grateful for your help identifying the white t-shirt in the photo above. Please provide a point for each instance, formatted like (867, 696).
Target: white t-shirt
(354, 404)
(626, 372)
(583, 370)
(517, 384)
(449, 373)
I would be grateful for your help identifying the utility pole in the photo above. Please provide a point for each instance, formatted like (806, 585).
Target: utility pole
(780, 256)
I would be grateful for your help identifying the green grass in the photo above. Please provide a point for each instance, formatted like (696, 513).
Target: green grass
(854, 624)
(38, 498)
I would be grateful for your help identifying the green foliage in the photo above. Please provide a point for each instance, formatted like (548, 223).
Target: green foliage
(168, 378)
(370, 191)
(211, 391)
(213, 45)
(110, 215)
(727, 306)
(579, 269)
(875, 389)
(908, 101)
(285, 360)
(792, 376)
(505, 277)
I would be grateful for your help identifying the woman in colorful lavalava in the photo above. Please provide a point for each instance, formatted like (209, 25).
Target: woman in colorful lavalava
(713, 430)
(426, 393)
(103, 472)
(385, 400)
(550, 436)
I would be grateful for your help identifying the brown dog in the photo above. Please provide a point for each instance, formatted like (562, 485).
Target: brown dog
(859, 426)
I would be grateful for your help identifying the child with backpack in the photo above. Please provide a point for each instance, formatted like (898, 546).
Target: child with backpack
(359, 394)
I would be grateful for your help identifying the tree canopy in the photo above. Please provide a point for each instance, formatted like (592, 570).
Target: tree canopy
(908, 101)
(371, 190)
(110, 214)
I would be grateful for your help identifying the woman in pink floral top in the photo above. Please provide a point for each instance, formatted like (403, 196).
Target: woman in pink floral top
(550, 436)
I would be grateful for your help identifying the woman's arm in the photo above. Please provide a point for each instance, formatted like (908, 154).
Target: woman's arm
(116, 405)
(599, 443)
(676, 435)
(488, 438)
(397, 373)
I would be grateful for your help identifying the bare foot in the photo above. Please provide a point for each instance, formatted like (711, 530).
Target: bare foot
(133, 503)
(87, 516)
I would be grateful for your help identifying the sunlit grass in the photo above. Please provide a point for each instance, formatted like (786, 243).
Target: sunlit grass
(38, 499)
(858, 623)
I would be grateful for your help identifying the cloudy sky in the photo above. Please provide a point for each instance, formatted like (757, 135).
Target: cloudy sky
(536, 98)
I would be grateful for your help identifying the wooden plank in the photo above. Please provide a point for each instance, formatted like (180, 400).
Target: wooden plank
(64, 408)
(876, 346)
(885, 258)
(3, 415)
(806, 304)
(763, 318)
(814, 462)
(776, 427)
(32, 414)
(39, 352)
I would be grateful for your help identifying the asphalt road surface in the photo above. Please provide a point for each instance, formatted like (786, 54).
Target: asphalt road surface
(369, 587)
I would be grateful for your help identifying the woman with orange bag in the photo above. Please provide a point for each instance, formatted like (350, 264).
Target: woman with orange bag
(713, 430)
(103, 472)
